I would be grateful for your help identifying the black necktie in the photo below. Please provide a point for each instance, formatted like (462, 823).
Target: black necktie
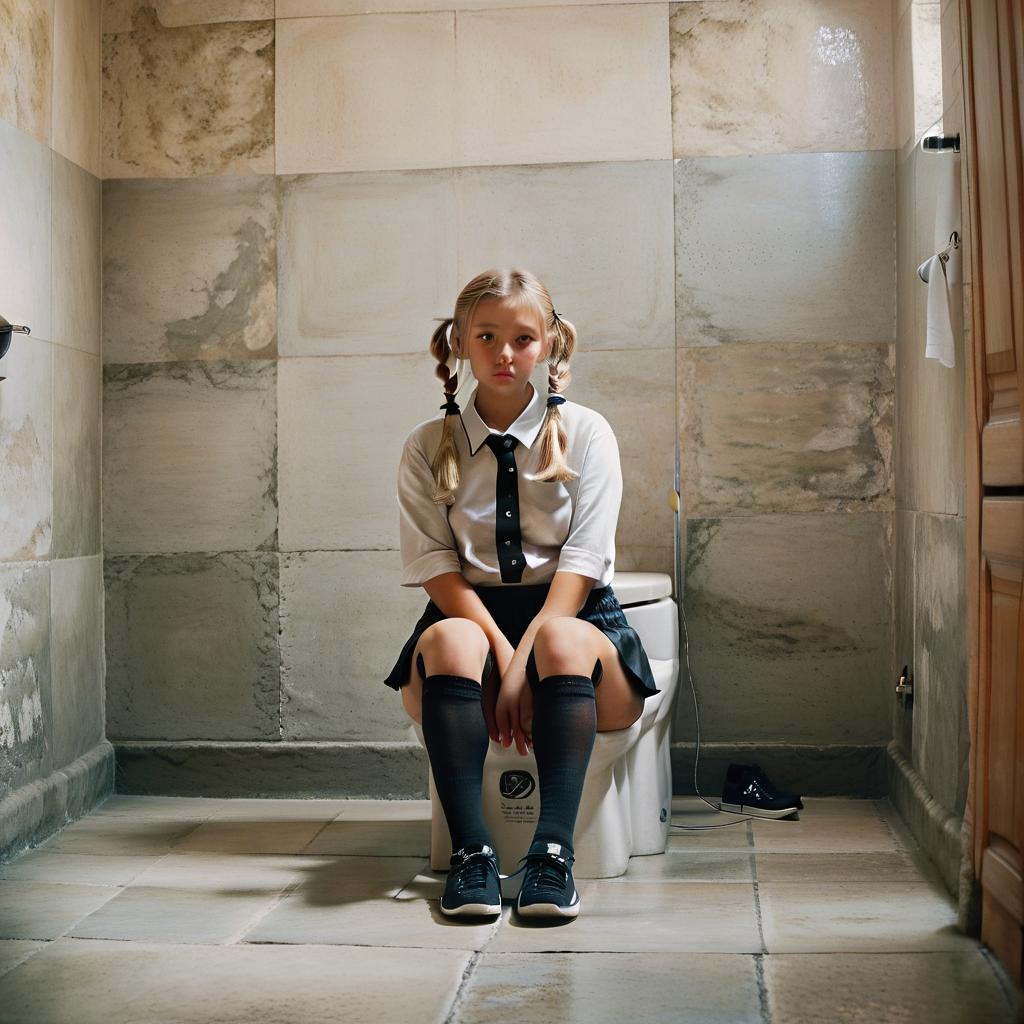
(507, 537)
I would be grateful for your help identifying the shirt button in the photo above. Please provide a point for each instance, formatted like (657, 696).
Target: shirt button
(511, 469)
(507, 543)
(508, 513)
(513, 561)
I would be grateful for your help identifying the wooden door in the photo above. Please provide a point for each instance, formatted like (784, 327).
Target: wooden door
(992, 34)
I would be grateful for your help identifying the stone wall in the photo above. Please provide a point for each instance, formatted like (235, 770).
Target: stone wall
(55, 761)
(929, 753)
(291, 202)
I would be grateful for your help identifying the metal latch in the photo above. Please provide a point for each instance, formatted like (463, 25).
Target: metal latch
(905, 687)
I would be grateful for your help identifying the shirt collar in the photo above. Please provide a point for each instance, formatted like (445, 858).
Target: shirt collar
(524, 429)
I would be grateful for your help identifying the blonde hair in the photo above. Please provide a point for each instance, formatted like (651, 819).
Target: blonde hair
(522, 288)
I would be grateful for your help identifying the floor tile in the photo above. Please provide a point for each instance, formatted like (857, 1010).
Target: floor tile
(653, 988)
(249, 836)
(153, 914)
(676, 865)
(696, 826)
(836, 867)
(120, 805)
(733, 838)
(99, 982)
(817, 917)
(866, 988)
(375, 838)
(288, 899)
(132, 836)
(14, 951)
(345, 917)
(385, 810)
(221, 808)
(710, 917)
(330, 880)
(41, 865)
(243, 809)
(225, 873)
(41, 910)
(824, 829)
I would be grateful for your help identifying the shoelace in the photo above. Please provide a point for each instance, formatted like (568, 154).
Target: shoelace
(551, 873)
(753, 789)
(473, 871)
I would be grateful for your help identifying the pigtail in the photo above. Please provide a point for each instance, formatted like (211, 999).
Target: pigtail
(553, 438)
(445, 465)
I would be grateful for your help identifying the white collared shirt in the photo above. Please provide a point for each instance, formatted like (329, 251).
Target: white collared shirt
(568, 526)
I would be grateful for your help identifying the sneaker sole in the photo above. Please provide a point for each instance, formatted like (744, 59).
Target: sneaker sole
(548, 910)
(762, 812)
(472, 910)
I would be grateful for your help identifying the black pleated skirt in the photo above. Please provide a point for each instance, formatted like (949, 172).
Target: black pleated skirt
(514, 608)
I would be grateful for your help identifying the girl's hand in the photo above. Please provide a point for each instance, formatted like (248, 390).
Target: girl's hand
(526, 716)
(503, 652)
(514, 710)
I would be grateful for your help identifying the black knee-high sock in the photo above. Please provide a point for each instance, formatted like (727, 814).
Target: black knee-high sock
(564, 730)
(455, 735)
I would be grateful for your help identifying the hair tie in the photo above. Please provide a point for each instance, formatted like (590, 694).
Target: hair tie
(554, 314)
(555, 400)
(451, 407)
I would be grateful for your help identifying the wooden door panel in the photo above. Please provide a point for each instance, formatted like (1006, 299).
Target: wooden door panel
(993, 69)
(1003, 552)
(997, 253)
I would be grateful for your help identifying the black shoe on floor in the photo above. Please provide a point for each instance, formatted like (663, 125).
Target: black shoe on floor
(548, 888)
(472, 887)
(747, 788)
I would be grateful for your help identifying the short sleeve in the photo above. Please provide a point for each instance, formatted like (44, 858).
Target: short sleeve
(426, 538)
(590, 547)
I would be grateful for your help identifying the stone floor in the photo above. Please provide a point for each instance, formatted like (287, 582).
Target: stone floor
(163, 909)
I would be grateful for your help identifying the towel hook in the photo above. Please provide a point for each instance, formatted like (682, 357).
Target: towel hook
(954, 243)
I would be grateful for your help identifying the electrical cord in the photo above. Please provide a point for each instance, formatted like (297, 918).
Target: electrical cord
(696, 758)
(677, 507)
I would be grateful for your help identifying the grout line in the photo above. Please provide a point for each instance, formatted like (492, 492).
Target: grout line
(259, 915)
(314, 838)
(28, 956)
(474, 959)
(762, 989)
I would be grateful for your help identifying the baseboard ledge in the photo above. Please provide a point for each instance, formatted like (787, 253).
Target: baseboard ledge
(939, 832)
(374, 769)
(398, 769)
(806, 769)
(36, 810)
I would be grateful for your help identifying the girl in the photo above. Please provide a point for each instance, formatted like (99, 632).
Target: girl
(507, 519)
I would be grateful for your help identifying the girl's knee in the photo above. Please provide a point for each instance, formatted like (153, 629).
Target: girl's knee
(534, 676)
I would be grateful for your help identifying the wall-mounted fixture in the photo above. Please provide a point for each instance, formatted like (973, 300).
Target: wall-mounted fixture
(924, 271)
(6, 330)
(941, 143)
(905, 688)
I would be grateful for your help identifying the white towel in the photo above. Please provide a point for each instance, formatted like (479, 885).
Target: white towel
(939, 339)
(941, 276)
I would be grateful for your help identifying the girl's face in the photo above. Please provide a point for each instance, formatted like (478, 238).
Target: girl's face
(504, 345)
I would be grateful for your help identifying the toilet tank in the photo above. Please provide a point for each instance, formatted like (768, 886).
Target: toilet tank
(646, 599)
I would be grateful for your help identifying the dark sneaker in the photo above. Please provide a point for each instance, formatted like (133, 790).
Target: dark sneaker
(747, 788)
(548, 889)
(472, 886)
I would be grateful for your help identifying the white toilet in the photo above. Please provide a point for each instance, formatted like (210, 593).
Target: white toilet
(627, 795)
